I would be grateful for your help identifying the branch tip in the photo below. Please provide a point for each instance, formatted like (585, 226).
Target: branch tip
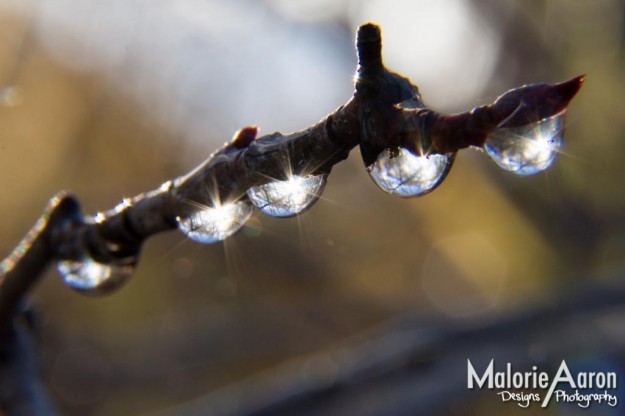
(369, 32)
(568, 89)
(369, 46)
(64, 205)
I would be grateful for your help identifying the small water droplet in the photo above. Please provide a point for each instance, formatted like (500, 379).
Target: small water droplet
(213, 224)
(90, 277)
(406, 174)
(526, 150)
(289, 197)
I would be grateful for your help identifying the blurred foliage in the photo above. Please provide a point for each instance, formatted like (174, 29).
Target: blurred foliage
(196, 318)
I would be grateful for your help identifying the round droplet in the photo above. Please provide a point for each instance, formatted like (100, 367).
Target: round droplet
(528, 149)
(213, 224)
(406, 174)
(289, 197)
(90, 277)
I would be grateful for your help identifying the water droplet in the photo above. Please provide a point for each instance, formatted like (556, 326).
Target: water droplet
(289, 197)
(93, 278)
(526, 150)
(213, 224)
(406, 174)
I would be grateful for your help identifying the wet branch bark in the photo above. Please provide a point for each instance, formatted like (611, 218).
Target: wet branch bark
(385, 112)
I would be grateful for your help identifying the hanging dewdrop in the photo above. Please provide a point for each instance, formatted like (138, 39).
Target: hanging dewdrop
(528, 149)
(215, 223)
(284, 192)
(289, 197)
(91, 277)
(93, 266)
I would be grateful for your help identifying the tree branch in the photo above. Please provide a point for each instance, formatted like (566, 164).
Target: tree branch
(386, 112)
(20, 390)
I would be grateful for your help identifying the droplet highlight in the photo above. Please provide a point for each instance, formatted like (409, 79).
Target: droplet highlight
(90, 277)
(212, 224)
(289, 197)
(405, 174)
(528, 149)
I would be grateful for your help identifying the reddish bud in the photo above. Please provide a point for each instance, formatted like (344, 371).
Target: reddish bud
(244, 137)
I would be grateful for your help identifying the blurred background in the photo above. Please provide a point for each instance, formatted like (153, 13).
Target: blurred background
(110, 99)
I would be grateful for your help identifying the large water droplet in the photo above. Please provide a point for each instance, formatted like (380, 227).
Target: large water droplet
(289, 197)
(213, 224)
(405, 174)
(526, 150)
(90, 277)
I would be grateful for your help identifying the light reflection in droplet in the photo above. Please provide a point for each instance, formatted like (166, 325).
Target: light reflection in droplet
(93, 278)
(407, 174)
(526, 150)
(289, 197)
(212, 224)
